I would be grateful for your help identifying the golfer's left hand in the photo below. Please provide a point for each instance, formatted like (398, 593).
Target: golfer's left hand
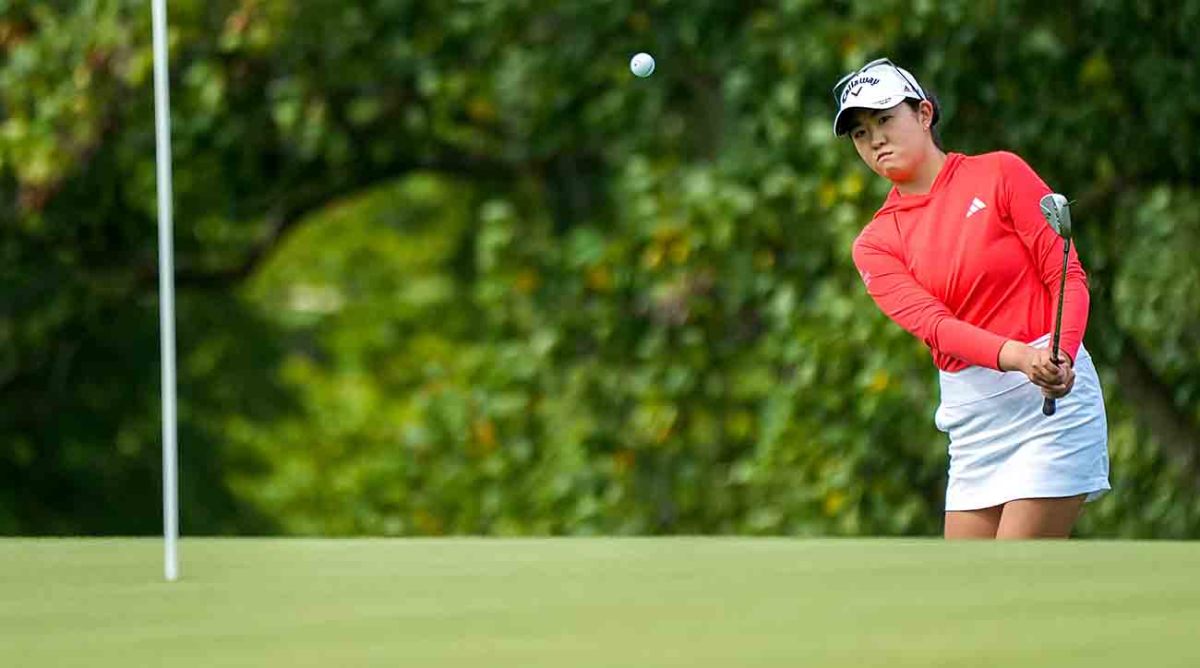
(1061, 386)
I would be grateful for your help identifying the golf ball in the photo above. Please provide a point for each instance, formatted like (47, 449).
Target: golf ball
(642, 65)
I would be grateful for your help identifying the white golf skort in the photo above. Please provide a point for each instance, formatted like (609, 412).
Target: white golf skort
(1003, 448)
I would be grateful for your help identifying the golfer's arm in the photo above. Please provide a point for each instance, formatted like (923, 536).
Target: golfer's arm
(910, 305)
(1023, 191)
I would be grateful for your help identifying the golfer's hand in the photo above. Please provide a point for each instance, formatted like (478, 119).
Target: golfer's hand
(1056, 380)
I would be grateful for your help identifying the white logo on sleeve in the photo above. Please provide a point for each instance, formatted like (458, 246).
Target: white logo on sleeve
(976, 206)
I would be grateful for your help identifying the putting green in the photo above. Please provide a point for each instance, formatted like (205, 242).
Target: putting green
(600, 602)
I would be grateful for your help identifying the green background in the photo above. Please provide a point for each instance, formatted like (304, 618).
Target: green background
(446, 267)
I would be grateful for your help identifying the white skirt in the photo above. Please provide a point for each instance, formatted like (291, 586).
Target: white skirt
(1001, 446)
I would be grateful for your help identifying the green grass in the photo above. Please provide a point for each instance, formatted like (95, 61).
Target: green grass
(600, 602)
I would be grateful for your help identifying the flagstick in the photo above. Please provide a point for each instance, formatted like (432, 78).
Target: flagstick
(166, 289)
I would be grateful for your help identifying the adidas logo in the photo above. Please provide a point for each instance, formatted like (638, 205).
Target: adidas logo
(976, 206)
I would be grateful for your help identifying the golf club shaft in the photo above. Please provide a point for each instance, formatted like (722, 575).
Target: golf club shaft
(1049, 405)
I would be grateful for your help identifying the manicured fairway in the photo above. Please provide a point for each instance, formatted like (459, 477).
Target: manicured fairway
(600, 602)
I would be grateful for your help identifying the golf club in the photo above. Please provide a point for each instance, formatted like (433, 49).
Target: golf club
(1057, 212)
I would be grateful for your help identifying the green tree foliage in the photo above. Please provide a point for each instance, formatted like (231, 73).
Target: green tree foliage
(447, 267)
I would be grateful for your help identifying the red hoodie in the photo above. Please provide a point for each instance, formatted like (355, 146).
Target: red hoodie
(972, 263)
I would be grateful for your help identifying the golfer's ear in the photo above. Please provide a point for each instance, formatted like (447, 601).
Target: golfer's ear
(926, 108)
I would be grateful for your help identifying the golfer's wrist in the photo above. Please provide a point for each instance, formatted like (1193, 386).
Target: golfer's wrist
(1014, 356)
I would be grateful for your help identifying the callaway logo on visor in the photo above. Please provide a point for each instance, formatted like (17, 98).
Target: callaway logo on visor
(855, 87)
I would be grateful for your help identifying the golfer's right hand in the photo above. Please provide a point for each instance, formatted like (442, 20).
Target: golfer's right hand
(1037, 365)
(1043, 371)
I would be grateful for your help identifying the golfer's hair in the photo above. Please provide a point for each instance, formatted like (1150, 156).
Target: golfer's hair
(937, 109)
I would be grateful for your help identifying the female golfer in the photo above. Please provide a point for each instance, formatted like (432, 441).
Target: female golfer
(961, 257)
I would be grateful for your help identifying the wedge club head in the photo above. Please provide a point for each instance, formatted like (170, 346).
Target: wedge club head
(1057, 212)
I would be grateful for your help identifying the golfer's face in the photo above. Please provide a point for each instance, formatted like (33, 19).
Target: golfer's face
(891, 141)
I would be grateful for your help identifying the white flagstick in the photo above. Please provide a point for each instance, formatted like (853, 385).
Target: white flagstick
(166, 290)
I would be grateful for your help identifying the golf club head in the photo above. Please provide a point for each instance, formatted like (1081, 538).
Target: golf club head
(1057, 212)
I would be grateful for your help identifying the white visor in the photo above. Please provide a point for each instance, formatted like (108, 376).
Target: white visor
(880, 87)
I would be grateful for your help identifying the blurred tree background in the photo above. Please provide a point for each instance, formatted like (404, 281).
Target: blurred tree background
(447, 267)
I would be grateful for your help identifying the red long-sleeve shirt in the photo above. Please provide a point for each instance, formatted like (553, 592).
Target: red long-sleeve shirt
(972, 263)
